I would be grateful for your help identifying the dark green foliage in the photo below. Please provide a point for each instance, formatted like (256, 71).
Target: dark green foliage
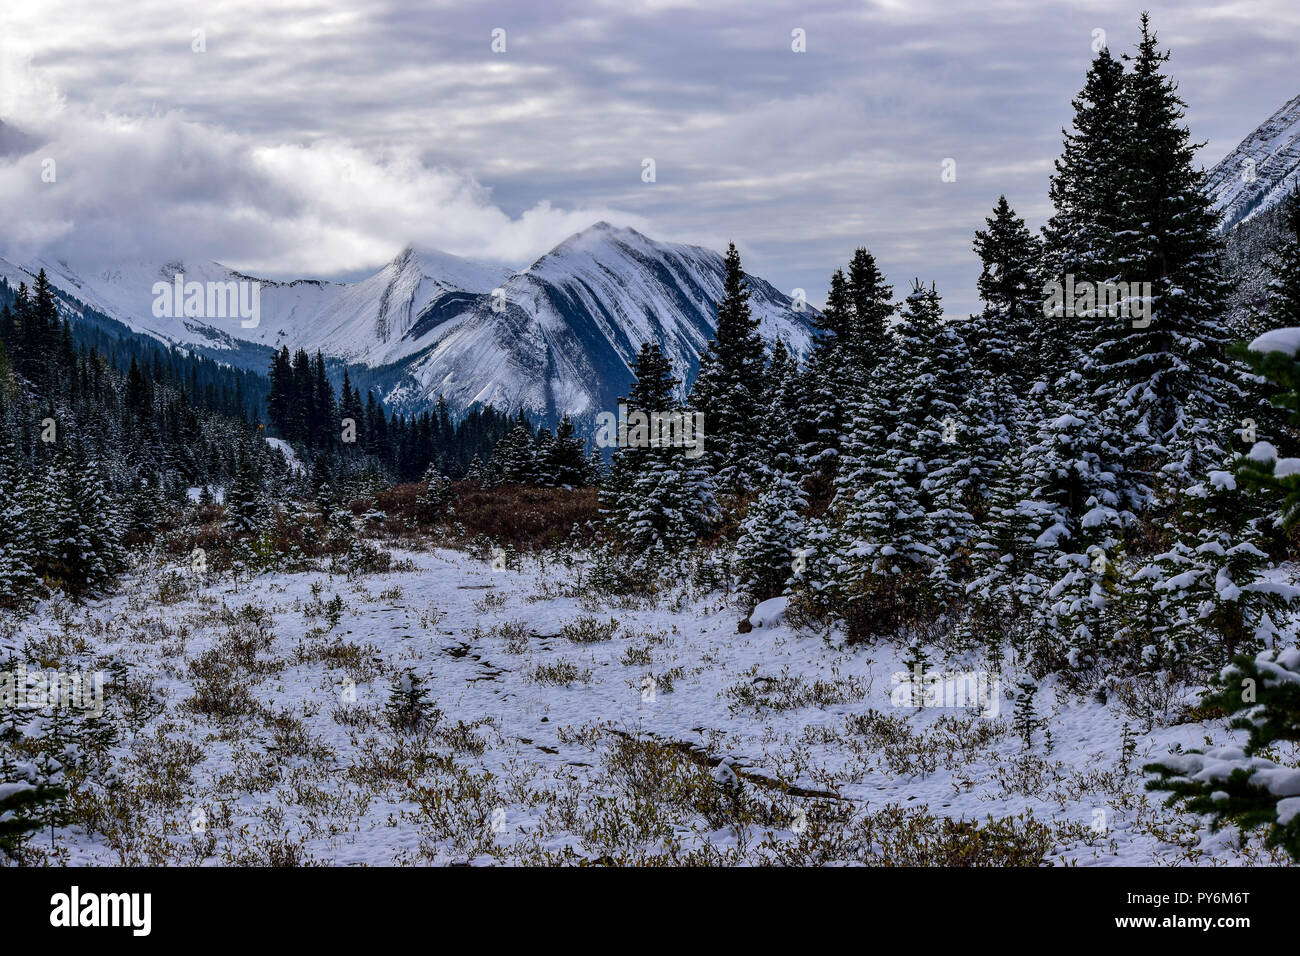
(1169, 380)
(1240, 786)
(27, 804)
(1025, 719)
(355, 433)
(434, 502)
(409, 708)
(246, 507)
(729, 388)
(853, 341)
(1080, 237)
(772, 539)
(566, 463)
(658, 499)
(1004, 337)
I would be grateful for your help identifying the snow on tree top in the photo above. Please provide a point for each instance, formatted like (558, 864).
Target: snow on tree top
(1278, 340)
(1262, 451)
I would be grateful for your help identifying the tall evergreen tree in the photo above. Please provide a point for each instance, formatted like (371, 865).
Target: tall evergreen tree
(852, 341)
(782, 410)
(283, 396)
(729, 387)
(897, 516)
(872, 299)
(514, 459)
(772, 539)
(83, 543)
(1004, 337)
(246, 509)
(1080, 238)
(18, 519)
(659, 497)
(1168, 380)
(567, 464)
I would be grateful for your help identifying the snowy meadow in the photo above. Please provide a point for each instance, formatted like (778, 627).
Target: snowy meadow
(448, 712)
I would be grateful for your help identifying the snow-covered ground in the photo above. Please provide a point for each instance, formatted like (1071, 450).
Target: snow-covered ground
(560, 737)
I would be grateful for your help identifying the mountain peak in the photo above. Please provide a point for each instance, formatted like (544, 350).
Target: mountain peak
(448, 270)
(606, 229)
(594, 240)
(1260, 172)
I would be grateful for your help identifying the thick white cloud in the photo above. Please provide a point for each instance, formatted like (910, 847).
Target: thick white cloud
(317, 138)
(160, 187)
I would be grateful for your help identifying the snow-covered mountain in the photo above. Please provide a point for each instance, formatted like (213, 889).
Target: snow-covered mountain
(1263, 168)
(363, 321)
(556, 337)
(561, 335)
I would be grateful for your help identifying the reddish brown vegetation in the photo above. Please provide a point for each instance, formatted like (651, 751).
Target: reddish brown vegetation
(518, 515)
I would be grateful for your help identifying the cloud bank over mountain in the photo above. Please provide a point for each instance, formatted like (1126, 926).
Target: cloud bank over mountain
(314, 138)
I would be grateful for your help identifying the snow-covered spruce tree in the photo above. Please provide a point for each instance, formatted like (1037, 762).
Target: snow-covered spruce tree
(853, 340)
(771, 537)
(1082, 610)
(477, 470)
(1004, 337)
(246, 506)
(868, 343)
(1009, 577)
(990, 430)
(822, 424)
(1216, 573)
(897, 516)
(26, 801)
(1165, 372)
(543, 451)
(1130, 406)
(1220, 598)
(18, 529)
(1146, 638)
(323, 485)
(567, 463)
(781, 411)
(1207, 596)
(1025, 719)
(1212, 591)
(1283, 308)
(652, 386)
(1275, 356)
(1082, 534)
(83, 539)
(1261, 417)
(141, 510)
(1079, 239)
(593, 469)
(1235, 785)
(409, 708)
(514, 457)
(872, 571)
(433, 503)
(935, 430)
(729, 388)
(659, 496)
(1003, 342)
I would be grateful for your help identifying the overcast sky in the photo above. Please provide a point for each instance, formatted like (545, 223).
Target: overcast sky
(317, 139)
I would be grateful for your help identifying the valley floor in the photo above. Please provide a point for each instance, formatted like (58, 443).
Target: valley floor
(254, 731)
